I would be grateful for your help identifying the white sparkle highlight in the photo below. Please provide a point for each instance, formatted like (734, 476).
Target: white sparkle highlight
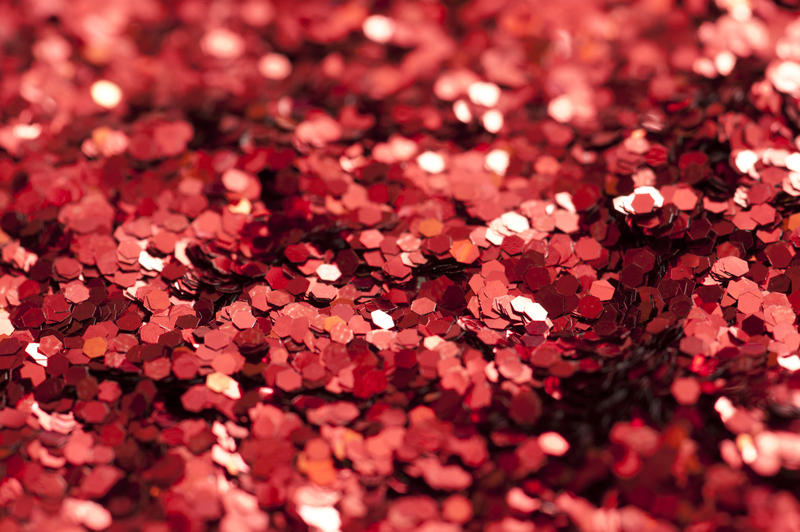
(497, 161)
(379, 28)
(106, 93)
(382, 319)
(484, 93)
(431, 162)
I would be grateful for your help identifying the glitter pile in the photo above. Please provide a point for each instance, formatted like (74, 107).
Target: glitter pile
(504, 265)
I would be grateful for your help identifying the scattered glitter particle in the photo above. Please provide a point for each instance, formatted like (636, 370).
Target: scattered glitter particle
(382, 319)
(106, 93)
(379, 28)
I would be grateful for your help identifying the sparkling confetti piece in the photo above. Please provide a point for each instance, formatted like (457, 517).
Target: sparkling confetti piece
(106, 93)
(382, 319)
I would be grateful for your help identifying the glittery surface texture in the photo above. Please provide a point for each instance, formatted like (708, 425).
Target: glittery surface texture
(503, 265)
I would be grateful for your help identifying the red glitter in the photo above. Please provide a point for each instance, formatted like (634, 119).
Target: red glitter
(399, 265)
